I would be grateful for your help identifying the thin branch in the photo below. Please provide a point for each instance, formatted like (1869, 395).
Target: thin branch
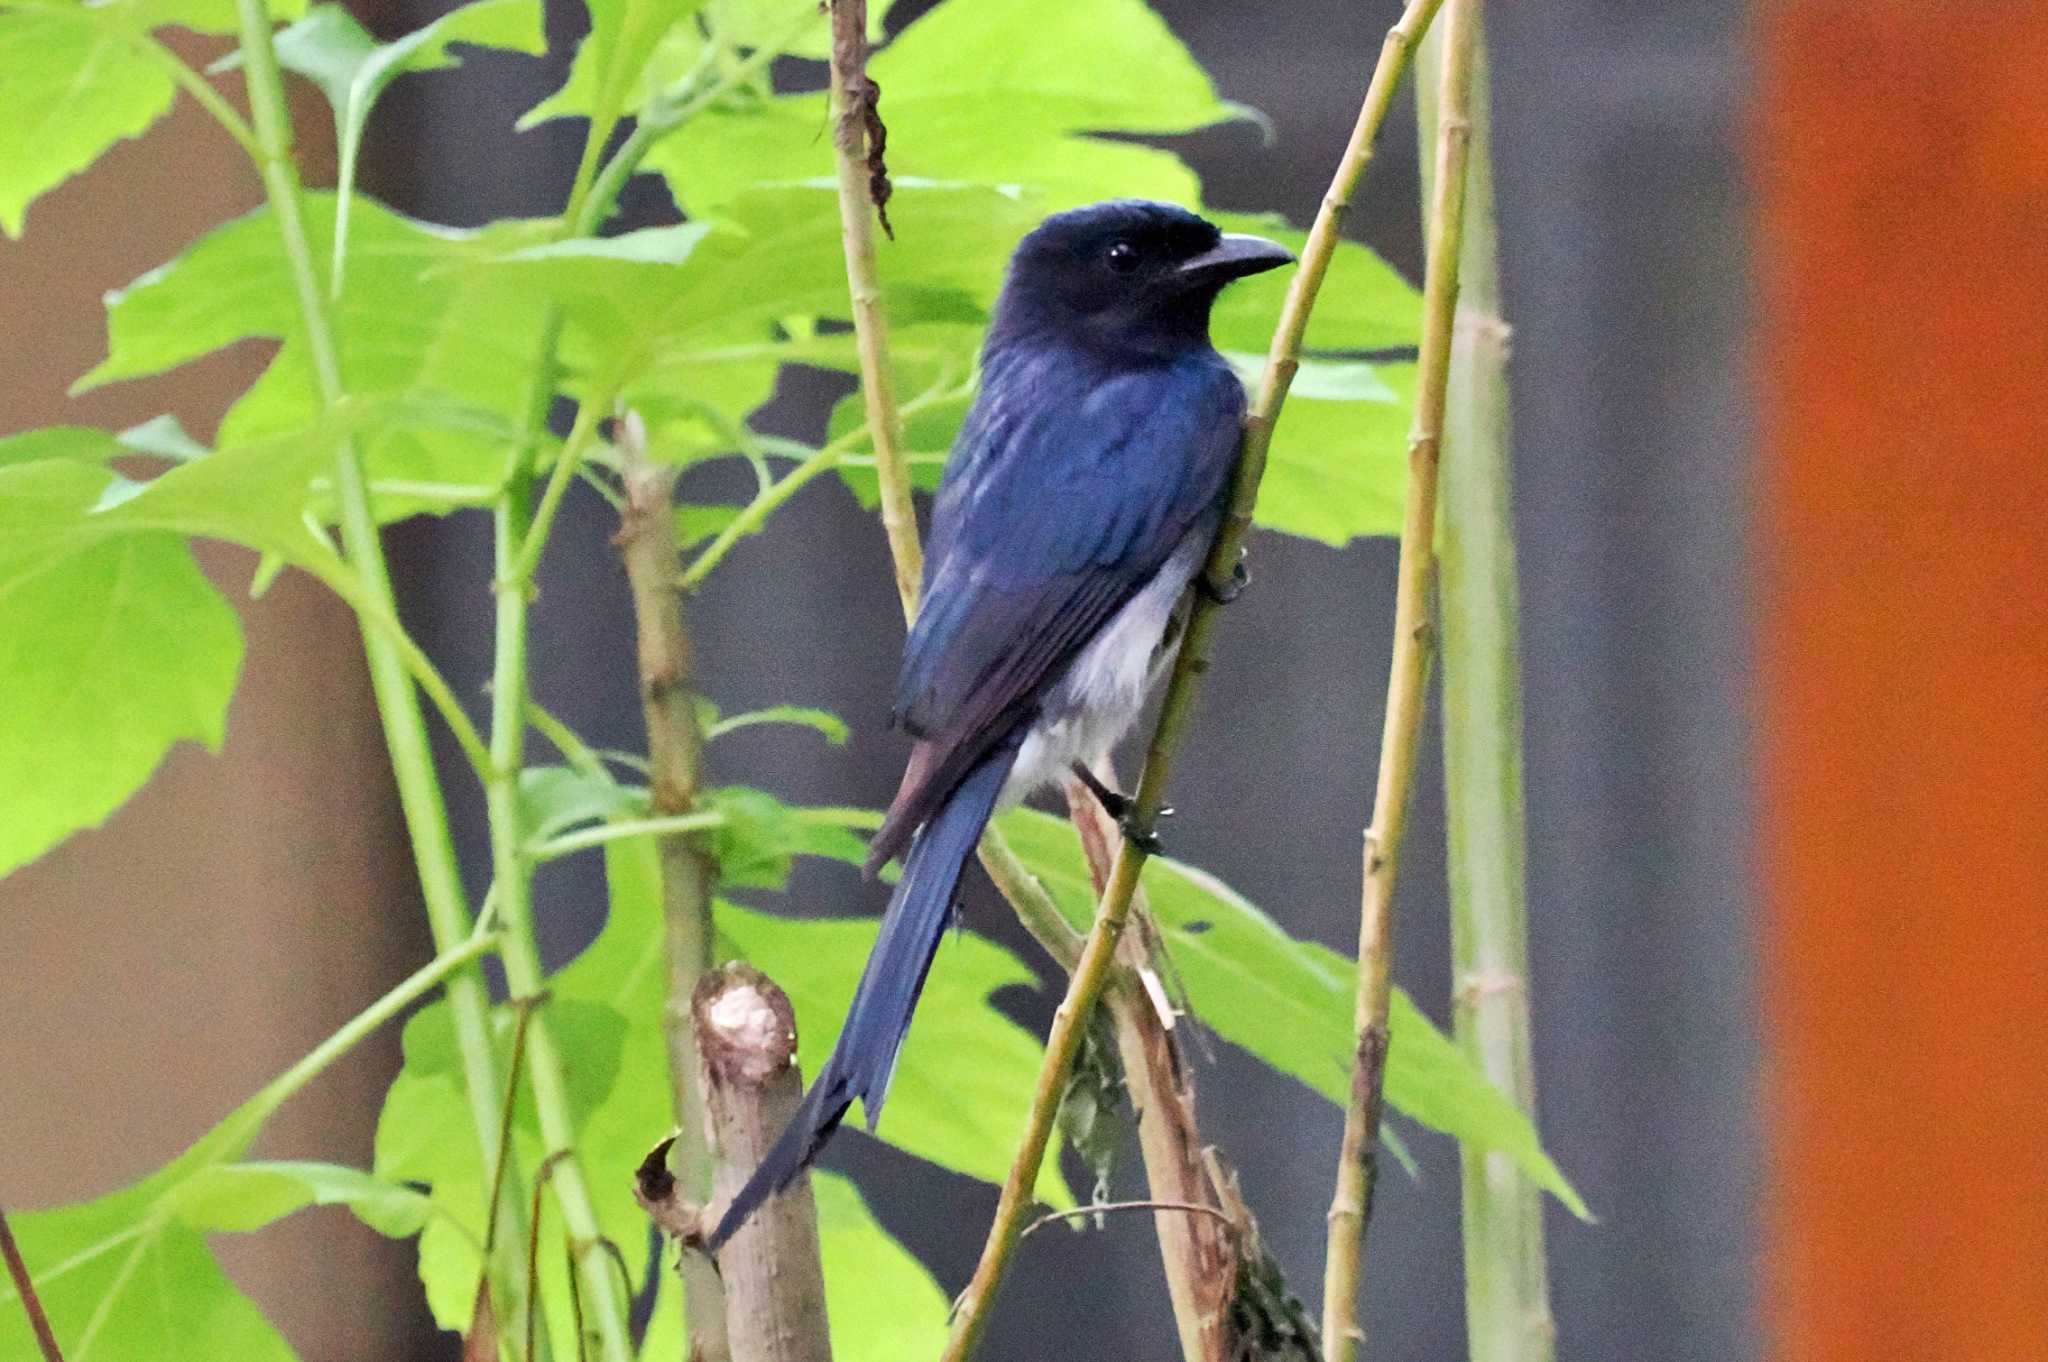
(540, 1182)
(514, 536)
(584, 838)
(419, 789)
(1351, 1202)
(971, 1315)
(1113, 1207)
(25, 1287)
(647, 546)
(1507, 1293)
(1200, 1257)
(525, 1008)
(534, 537)
(853, 96)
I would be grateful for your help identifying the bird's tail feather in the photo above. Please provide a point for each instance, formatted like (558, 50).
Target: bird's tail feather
(865, 1057)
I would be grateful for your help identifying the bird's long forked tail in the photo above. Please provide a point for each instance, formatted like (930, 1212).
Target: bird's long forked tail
(912, 927)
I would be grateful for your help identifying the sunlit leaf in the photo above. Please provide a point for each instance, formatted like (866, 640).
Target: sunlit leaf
(248, 1196)
(606, 80)
(993, 92)
(112, 649)
(761, 837)
(823, 720)
(1289, 1002)
(70, 87)
(338, 54)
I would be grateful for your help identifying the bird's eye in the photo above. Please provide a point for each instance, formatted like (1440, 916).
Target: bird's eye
(1123, 257)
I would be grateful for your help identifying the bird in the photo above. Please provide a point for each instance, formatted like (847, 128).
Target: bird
(1078, 505)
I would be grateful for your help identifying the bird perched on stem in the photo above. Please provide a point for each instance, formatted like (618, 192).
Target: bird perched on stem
(1079, 503)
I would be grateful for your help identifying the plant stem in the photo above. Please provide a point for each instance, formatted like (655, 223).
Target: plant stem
(1199, 1253)
(1351, 1202)
(194, 83)
(745, 1029)
(25, 1287)
(1282, 359)
(585, 838)
(419, 789)
(513, 873)
(534, 540)
(851, 96)
(663, 117)
(1507, 1295)
(647, 545)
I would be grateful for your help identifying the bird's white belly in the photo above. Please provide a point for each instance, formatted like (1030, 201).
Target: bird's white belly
(1087, 712)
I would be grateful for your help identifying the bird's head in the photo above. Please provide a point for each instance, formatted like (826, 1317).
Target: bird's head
(1128, 275)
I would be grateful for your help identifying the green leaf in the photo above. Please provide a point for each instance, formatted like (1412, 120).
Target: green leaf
(882, 1303)
(761, 837)
(964, 1082)
(696, 523)
(78, 443)
(823, 720)
(965, 1079)
(112, 648)
(1290, 1002)
(71, 85)
(201, 16)
(1364, 303)
(248, 1196)
(553, 799)
(123, 1280)
(75, 78)
(606, 79)
(995, 92)
(426, 1135)
(127, 1277)
(338, 54)
(1339, 469)
(424, 344)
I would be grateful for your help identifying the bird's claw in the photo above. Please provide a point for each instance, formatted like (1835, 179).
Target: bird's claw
(1228, 591)
(1143, 838)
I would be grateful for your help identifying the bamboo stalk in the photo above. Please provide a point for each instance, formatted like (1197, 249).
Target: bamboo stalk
(970, 1315)
(853, 102)
(1351, 1202)
(647, 546)
(1507, 1295)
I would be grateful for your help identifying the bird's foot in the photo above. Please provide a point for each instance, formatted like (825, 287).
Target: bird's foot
(1143, 838)
(1228, 591)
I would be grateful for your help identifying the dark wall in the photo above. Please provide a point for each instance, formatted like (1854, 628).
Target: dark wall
(1623, 270)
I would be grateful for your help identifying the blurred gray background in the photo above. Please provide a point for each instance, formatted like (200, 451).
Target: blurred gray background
(1621, 219)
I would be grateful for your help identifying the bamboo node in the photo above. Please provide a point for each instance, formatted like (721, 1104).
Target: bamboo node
(1476, 985)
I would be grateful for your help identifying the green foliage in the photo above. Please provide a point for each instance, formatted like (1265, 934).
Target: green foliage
(114, 645)
(85, 616)
(338, 54)
(1288, 1001)
(606, 1007)
(71, 85)
(426, 343)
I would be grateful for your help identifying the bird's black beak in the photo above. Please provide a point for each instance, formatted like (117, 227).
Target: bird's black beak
(1234, 257)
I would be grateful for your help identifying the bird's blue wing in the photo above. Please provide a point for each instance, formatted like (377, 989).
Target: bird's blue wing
(1065, 495)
